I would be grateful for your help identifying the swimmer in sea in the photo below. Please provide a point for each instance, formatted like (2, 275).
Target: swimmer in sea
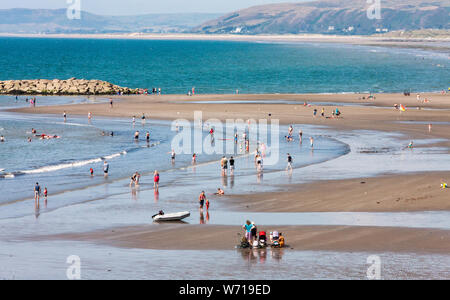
(2, 139)
(311, 140)
(65, 116)
(194, 158)
(136, 135)
(147, 136)
(91, 171)
(300, 135)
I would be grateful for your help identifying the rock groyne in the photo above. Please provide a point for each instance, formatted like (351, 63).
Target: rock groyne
(72, 86)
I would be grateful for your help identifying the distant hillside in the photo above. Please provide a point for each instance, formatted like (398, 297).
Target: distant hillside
(55, 21)
(333, 17)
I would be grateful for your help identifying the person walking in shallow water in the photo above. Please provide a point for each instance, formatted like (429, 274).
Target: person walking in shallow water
(156, 180)
(105, 168)
(37, 194)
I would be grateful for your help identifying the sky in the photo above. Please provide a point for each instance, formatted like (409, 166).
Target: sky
(135, 7)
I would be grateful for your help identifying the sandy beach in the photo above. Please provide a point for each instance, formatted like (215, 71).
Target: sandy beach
(387, 193)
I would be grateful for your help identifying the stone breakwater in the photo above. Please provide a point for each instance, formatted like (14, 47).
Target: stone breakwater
(70, 86)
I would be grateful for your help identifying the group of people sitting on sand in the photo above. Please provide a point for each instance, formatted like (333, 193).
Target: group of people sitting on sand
(255, 239)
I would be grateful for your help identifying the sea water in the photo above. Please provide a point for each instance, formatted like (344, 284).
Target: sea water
(225, 66)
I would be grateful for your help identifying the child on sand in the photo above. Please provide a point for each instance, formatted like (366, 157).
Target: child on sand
(45, 195)
(220, 192)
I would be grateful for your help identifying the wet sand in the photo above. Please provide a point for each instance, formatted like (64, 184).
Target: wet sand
(217, 237)
(411, 192)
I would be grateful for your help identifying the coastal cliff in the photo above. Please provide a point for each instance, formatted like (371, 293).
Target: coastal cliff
(70, 86)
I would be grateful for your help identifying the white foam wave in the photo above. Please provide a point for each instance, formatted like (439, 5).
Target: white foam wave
(72, 165)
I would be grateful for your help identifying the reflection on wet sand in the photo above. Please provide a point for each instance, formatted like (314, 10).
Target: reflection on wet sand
(202, 217)
(156, 194)
(255, 256)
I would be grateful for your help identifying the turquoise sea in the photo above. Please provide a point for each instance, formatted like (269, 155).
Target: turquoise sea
(223, 67)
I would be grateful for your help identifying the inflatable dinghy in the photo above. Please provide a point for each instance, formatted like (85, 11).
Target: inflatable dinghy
(171, 217)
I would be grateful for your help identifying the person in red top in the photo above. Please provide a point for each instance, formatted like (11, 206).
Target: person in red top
(156, 180)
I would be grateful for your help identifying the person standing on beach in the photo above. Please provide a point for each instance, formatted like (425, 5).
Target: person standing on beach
(314, 112)
(202, 199)
(89, 116)
(105, 168)
(37, 194)
(45, 196)
(111, 102)
(172, 156)
(323, 112)
(289, 161)
(231, 165)
(224, 165)
(143, 118)
(156, 180)
(248, 230)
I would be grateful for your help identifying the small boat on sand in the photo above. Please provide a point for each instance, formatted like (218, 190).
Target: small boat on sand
(178, 216)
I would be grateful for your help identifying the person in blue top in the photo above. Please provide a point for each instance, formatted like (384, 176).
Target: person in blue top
(248, 226)
(37, 194)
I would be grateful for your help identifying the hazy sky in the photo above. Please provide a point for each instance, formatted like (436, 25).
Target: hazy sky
(132, 7)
